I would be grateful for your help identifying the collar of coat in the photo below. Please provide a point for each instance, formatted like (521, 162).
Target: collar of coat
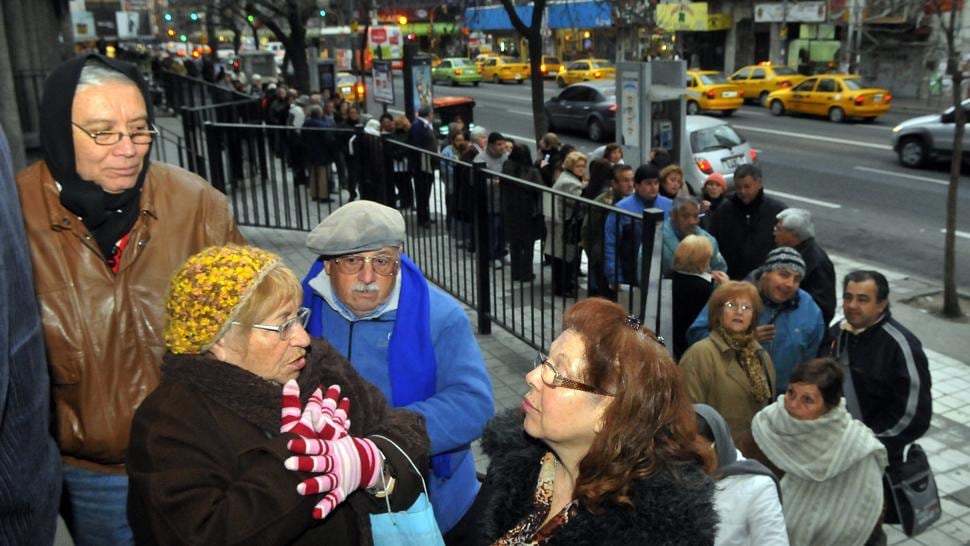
(253, 398)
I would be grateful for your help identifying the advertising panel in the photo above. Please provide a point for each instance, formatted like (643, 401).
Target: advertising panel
(382, 88)
(691, 16)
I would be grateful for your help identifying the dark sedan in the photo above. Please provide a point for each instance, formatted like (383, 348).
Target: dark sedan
(589, 107)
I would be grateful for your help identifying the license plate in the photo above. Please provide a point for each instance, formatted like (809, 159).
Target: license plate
(345, 90)
(731, 162)
(729, 94)
(553, 73)
(518, 76)
(878, 98)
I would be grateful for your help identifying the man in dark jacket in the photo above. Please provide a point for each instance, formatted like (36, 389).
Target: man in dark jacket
(422, 165)
(744, 223)
(796, 229)
(889, 371)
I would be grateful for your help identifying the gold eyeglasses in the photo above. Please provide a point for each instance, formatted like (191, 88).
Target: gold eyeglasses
(383, 264)
(554, 379)
(740, 308)
(286, 328)
(110, 138)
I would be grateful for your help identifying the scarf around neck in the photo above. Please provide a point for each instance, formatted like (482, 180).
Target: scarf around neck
(107, 216)
(746, 350)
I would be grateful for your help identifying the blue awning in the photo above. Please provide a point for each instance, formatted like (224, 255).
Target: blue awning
(579, 14)
(494, 17)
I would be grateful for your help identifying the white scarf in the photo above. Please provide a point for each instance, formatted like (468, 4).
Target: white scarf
(833, 466)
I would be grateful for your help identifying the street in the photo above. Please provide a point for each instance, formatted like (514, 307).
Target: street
(865, 204)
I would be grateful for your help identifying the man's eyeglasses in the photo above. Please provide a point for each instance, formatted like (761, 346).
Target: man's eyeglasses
(383, 264)
(742, 308)
(554, 379)
(286, 328)
(110, 138)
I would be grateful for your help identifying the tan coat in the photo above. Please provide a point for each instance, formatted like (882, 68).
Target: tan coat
(714, 377)
(555, 244)
(103, 331)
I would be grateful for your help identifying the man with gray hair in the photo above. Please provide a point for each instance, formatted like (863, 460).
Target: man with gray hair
(796, 229)
(408, 338)
(681, 222)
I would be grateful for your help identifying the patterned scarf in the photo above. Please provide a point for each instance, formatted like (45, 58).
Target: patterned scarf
(530, 531)
(746, 349)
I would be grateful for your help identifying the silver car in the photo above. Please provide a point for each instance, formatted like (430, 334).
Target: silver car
(922, 139)
(713, 145)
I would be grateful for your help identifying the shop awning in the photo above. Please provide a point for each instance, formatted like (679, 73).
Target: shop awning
(579, 14)
(494, 17)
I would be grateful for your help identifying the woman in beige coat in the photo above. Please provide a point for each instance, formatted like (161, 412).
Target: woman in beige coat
(729, 370)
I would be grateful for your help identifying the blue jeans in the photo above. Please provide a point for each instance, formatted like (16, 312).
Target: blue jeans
(95, 507)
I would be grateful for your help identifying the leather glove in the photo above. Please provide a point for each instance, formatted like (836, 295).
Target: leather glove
(345, 464)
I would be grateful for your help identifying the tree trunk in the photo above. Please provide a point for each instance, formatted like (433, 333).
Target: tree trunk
(296, 51)
(951, 298)
(533, 35)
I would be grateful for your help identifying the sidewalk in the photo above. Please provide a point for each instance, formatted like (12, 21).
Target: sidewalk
(509, 359)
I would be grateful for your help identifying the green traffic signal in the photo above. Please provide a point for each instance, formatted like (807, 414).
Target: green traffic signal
(183, 38)
(250, 18)
(194, 16)
(323, 13)
(168, 16)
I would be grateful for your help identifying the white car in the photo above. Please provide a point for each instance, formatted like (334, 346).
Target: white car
(712, 144)
(923, 139)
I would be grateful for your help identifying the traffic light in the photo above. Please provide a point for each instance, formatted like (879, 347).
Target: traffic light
(194, 16)
(402, 20)
(323, 13)
(183, 38)
(171, 32)
(250, 18)
(168, 16)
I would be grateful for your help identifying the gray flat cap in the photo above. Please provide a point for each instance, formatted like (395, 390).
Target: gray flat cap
(356, 227)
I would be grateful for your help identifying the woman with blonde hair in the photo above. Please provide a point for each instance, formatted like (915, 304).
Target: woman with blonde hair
(672, 181)
(692, 286)
(728, 370)
(606, 451)
(563, 223)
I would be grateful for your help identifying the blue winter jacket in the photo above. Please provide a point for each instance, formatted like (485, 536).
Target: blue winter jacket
(672, 238)
(456, 415)
(798, 332)
(616, 225)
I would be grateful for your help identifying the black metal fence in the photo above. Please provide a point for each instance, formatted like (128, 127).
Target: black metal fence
(516, 251)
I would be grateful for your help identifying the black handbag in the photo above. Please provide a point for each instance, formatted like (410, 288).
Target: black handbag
(573, 227)
(913, 499)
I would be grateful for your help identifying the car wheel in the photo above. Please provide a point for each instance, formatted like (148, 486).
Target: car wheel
(520, 81)
(693, 108)
(837, 115)
(475, 83)
(596, 130)
(495, 79)
(912, 152)
(763, 98)
(728, 113)
(550, 126)
(777, 107)
(455, 83)
(560, 83)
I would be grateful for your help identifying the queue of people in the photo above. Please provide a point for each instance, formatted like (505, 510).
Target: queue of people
(203, 394)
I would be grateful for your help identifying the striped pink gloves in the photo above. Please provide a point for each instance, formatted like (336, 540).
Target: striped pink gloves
(323, 446)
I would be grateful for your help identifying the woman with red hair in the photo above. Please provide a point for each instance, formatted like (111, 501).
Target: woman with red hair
(606, 452)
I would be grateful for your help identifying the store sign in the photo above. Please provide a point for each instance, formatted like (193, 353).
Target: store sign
(84, 29)
(792, 12)
(720, 21)
(690, 16)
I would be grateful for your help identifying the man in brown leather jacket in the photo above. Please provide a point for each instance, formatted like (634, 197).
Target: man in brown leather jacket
(107, 228)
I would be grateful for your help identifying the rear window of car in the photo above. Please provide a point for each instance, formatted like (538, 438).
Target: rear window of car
(784, 71)
(508, 60)
(552, 60)
(602, 64)
(854, 84)
(460, 62)
(715, 138)
(346, 80)
(709, 79)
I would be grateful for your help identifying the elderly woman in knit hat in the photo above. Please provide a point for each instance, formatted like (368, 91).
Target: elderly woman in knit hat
(208, 446)
(831, 464)
(728, 370)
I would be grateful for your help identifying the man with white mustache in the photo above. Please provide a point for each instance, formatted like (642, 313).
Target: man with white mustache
(408, 338)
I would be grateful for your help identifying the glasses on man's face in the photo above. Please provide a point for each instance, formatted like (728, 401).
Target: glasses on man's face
(383, 264)
(739, 308)
(110, 138)
(287, 328)
(554, 379)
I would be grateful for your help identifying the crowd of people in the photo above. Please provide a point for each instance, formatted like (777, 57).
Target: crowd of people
(202, 393)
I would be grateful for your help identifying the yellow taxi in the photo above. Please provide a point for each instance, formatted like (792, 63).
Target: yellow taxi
(710, 90)
(505, 69)
(836, 96)
(347, 86)
(585, 70)
(550, 66)
(480, 60)
(758, 80)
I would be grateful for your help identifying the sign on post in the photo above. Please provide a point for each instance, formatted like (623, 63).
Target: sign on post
(382, 85)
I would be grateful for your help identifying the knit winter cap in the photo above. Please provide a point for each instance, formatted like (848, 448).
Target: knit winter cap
(784, 257)
(358, 226)
(718, 179)
(207, 293)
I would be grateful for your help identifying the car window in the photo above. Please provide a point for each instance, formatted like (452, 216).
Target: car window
(570, 93)
(709, 79)
(690, 81)
(491, 62)
(509, 60)
(444, 64)
(855, 84)
(714, 138)
(805, 86)
(826, 85)
(758, 74)
(602, 64)
(741, 74)
(784, 71)
(552, 60)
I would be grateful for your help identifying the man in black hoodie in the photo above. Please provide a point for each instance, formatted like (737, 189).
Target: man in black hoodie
(745, 222)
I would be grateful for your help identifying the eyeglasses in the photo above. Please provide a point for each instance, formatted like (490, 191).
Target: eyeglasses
(110, 138)
(286, 328)
(554, 379)
(743, 308)
(382, 264)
